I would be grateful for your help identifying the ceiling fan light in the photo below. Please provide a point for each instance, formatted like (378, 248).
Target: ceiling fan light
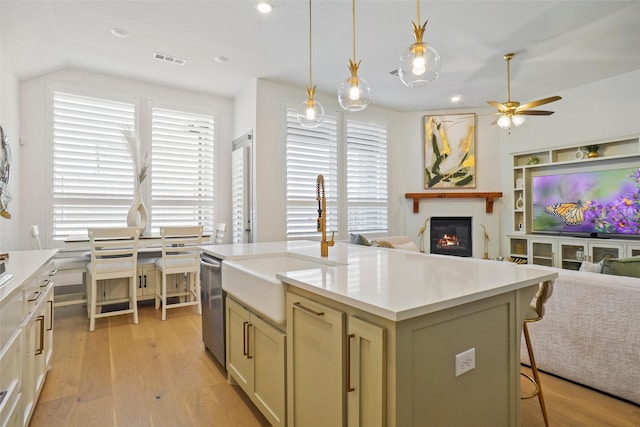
(517, 119)
(504, 122)
(354, 94)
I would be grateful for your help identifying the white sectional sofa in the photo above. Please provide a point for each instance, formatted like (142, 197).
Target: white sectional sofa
(590, 333)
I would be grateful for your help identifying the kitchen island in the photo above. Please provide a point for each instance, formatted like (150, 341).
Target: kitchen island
(379, 337)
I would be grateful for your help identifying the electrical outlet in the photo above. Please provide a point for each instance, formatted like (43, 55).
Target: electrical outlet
(465, 361)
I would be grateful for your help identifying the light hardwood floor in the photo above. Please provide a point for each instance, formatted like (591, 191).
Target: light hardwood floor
(157, 374)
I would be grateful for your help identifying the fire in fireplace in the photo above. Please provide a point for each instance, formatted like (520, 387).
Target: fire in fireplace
(451, 236)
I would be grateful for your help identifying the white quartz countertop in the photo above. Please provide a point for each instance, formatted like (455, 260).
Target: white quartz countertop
(391, 283)
(23, 265)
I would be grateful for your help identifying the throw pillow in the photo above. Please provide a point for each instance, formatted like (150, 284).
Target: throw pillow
(409, 246)
(359, 239)
(591, 267)
(622, 266)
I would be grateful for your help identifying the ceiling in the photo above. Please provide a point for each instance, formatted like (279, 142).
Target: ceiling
(558, 44)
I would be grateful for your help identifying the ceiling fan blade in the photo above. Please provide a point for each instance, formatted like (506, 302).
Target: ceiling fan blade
(538, 102)
(535, 113)
(497, 105)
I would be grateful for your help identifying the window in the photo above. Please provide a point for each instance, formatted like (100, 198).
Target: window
(310, 152)
(366, 177)
(182, 172)
(93, 182)
(92, 170)
(355, 172)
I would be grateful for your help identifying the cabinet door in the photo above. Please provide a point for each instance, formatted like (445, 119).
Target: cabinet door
(366, 374)
(146, 284)
(315, 364)
(239, 361)
(633, 250)
(543, 252)
(598, 251)
(572, 254)
(267, 347)
(11, 356)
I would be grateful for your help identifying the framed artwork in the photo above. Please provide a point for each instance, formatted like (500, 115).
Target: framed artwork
(449, 151)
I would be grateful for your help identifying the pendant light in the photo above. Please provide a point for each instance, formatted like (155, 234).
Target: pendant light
(419, 63)
(310, 112)
(354, 94)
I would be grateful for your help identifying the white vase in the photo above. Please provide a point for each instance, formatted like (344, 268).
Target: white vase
(137, 216)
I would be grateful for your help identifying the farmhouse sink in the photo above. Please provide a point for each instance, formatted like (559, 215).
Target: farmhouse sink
(253, 281)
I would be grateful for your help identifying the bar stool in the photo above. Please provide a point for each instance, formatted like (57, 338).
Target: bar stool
(535, 312)
(180, 257)
(114, 254)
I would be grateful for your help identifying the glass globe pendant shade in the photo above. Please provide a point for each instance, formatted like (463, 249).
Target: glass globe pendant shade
(517, 119)
(419, 65)
(504, 122)
(310, 113)
(354, 94)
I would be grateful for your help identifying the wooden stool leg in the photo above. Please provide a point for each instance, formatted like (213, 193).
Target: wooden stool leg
(536, 377)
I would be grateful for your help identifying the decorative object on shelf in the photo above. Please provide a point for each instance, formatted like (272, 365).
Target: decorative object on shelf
(520, 202)
(486, 242)
(421, 233)
(419, 63)
(449, 151)
(579, 154)
(5, 169)
(519, 183)
(354, 94)
(511, 112)
(137, 216)
(533, 160)
(310, 113)
(592, 150)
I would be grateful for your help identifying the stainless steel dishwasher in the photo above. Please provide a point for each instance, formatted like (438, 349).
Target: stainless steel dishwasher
(213, 324)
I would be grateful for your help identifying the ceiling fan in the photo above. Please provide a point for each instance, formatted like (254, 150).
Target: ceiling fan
(511, 112)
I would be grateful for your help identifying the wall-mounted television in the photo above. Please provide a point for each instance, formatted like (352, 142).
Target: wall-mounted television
(595, 203)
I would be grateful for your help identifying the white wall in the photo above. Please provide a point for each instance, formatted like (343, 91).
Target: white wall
(603, 110)
(10, 230)
(36, 129)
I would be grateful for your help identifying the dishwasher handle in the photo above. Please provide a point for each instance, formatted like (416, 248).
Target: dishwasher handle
(211, 263)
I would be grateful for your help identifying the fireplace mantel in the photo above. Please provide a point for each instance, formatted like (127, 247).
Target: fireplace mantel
(490, 197)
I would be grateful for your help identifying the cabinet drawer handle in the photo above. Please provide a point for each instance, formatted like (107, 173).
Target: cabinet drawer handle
(44, 283)
(245, 351)
(40, 348)
(249, 356)
(34, 296)
(50, 302)
(349, 388)
(139, 282)
(307, 309)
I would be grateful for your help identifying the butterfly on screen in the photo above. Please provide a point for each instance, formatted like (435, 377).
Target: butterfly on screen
(570, 213)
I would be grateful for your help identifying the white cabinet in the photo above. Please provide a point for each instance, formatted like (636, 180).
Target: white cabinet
(573, 252)
(256, 360)
(543, 252)
(331, 368)
(38, 348)
(633, 250)
(146, 281)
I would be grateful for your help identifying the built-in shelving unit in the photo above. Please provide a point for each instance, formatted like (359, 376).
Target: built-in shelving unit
(562, 251)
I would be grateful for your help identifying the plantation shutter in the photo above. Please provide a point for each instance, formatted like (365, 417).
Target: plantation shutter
(92, 171)
(367, 189)
(182, 169)
(310, 152)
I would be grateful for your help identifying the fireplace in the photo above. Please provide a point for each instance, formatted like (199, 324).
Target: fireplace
(451, 236)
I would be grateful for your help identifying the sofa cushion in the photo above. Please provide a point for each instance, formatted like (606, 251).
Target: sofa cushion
(591, 267)
(622, 266)
(359, 239)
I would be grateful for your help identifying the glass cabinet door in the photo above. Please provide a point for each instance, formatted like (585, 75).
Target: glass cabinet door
(572, 255)
(600, 251)
(542, 253)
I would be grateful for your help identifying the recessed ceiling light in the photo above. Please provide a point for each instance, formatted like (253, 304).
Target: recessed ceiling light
(221, 59)
(119, 32)
(264, 7)
(456, 98)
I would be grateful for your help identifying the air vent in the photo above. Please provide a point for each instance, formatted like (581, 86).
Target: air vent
(169, 58)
